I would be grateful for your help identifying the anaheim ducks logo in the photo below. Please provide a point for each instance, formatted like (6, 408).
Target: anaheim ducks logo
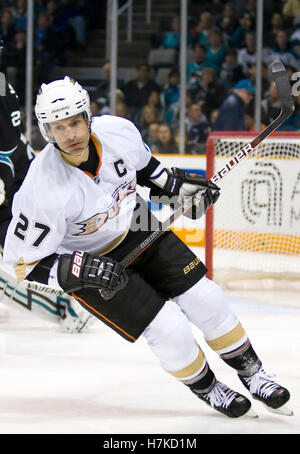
(95, 222)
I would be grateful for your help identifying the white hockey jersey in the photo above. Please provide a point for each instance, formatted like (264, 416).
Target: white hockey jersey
(60, 208)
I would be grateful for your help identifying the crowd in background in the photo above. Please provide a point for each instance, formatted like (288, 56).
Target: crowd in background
(220, 78)
(59, 27)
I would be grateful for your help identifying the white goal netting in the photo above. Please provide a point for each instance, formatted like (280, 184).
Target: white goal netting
(256, 222)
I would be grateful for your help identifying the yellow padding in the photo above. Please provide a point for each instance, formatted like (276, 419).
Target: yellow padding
(191, 369)
(227, 339)
(279, 243)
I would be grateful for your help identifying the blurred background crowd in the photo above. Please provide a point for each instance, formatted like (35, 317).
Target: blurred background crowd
(221, 67)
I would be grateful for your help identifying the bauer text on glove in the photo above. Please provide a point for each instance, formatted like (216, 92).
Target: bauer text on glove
(82, 270)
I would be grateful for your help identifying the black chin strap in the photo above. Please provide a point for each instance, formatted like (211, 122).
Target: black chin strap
(59, 149)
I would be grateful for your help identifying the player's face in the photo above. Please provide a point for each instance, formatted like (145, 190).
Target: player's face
(72, 136)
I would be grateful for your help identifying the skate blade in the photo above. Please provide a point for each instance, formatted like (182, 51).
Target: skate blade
(250, 414)
(284, 410)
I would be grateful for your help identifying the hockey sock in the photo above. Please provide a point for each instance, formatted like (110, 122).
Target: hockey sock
(203, 382)
(197, 375)
(243, 359)
(235, 349)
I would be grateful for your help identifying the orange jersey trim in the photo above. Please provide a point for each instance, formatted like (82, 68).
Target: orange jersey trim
(101, 315)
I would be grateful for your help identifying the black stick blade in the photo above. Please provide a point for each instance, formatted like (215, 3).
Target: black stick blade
(284, 88)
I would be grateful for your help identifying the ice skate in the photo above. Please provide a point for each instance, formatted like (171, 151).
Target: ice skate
(226, 401)
(263, 388)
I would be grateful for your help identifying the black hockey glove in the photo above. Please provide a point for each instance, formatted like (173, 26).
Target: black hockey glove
(202, 201)
(183, 184)
(82, 270)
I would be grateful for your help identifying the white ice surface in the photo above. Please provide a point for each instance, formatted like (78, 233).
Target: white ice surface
(98, 383)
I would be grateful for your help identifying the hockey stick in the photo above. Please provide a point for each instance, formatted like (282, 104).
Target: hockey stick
(282, 82)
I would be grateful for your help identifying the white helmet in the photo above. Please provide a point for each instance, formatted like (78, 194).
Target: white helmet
(60, 99)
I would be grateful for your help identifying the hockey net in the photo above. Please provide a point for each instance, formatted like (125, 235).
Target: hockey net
(252, 235)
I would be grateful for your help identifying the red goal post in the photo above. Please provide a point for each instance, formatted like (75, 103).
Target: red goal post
(255, 225)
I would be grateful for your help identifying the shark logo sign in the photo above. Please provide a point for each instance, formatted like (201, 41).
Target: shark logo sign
(261, 193)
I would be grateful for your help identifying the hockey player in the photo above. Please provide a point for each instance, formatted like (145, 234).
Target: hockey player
(73, 223)
(16, 154)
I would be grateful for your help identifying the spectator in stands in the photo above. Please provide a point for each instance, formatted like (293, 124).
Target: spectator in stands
(197, 129)
(39, 7)
(271, 105)
(229, 22)
(63, 33)
(148, 115)
(75, 13)
(247, 55)
(171, 39)
(251, 7)
(170, 92)
(7, 27)
(231, 115)
(293, 122)
(264, 77)
(101, 93)
(201, 31)
(173, 113)
(277, 23)
(195, 68)
(154, 100)
(20, 15)
(136, 91)
(290, 71)
(121, 110)
(37, 141)
(231, 71)
(170, 97)
(291, 9)
(176, 135)
(151, 136)
(295, 35)
(171, 117)
(215, 48)
(239, 35)
(250, 119)
(51, 10)
(212, 118)
(283, 51)
(119, 99)
(95, 108)
(209, 93)
(14, 55)
(45, 48)
(166, 143)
